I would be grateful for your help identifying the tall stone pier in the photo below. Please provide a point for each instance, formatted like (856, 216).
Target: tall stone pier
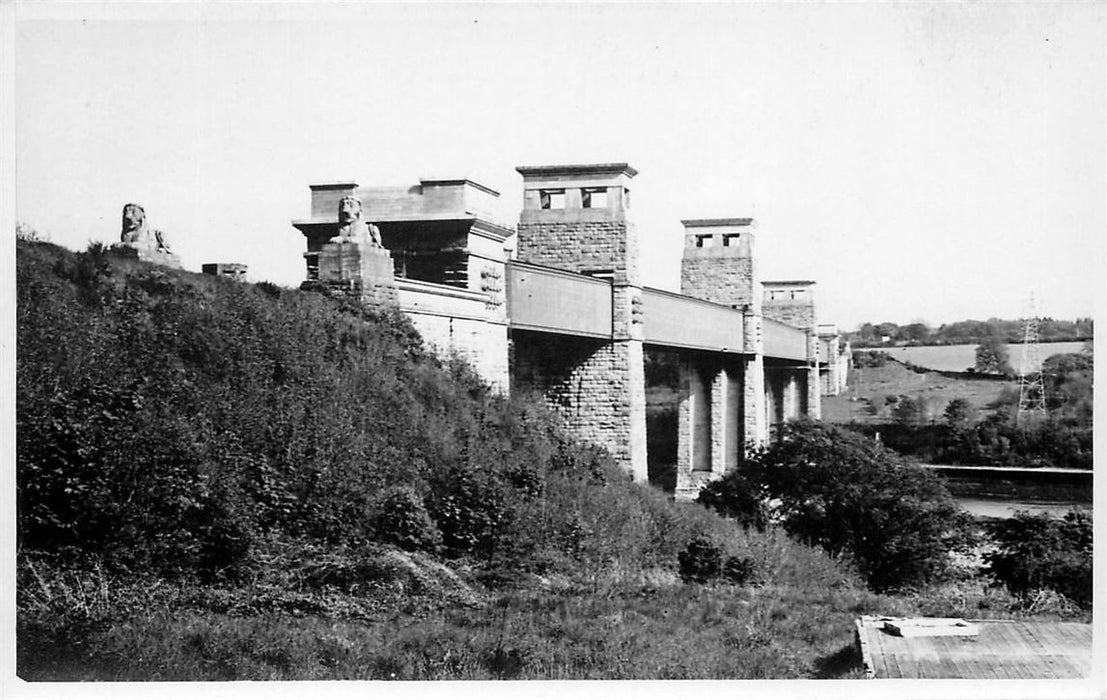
(793, 302)
(576, 218)
(721, 407)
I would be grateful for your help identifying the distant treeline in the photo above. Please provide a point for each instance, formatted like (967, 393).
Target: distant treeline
(968, 332)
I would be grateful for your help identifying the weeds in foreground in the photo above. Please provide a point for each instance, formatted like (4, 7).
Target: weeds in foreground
(646, 632)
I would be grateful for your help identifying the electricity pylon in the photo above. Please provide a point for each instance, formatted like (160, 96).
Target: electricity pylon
(1031, 387)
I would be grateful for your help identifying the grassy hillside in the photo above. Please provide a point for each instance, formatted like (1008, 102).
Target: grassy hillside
(219, 480)
(866, 397)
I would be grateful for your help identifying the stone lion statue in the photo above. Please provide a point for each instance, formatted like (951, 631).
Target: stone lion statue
(134, 224)
(135, 234)
(350, 226)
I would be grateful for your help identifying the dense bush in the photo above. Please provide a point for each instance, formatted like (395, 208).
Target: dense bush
(847, 494)
(700, 561)
(403, 521)
(1040, 552)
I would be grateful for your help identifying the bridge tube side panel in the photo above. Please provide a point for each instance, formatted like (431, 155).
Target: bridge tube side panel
(558, 301)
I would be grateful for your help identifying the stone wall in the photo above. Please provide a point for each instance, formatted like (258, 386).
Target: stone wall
(798, 314)
(721, 280)
(597, 386)
(483, 344)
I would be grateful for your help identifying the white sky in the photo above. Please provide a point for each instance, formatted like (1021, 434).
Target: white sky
(922, 162)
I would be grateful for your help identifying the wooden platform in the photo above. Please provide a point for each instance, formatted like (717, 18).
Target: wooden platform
(1001, 649)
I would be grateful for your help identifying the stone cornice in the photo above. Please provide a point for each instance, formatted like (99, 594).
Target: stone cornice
(576, 169)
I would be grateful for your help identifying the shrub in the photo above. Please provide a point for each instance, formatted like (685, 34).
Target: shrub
(403, 521)
(700, 561)
(870, 358)
(1039, 552)
(840, 491)
(738, 497)
(908, 411)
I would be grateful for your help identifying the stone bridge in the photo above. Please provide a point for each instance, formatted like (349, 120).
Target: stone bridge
(556, 305)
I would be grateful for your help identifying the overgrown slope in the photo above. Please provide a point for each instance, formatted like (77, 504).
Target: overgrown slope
(183, 423)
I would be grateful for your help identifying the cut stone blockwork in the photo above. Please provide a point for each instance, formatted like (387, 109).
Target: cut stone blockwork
(790, 301)
(718, 262)
(575, 218)
(138, 241)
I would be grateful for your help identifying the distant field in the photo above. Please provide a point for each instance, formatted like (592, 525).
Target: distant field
(893, 379)
(958, 358)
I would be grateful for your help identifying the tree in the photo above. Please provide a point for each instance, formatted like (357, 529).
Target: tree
(992, 357)
(959, 413)
(1068, 386)
(1036, 552)
(841, 491)
(917, 332)
(910, 411)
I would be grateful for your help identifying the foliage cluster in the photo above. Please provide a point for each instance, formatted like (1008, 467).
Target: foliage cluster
(959, 435)
(968, 332)
(994, 440)
(870, 358)
(1040, 552)
(181, 424)
(829, 487)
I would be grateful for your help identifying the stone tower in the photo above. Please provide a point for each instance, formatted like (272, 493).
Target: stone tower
(790, 301)
(576, 217)
(722, 402)
(718, 263)
(793, 302)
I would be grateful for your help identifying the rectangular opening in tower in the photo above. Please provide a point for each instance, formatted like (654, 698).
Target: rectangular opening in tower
(552, 199)
(593, 197)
